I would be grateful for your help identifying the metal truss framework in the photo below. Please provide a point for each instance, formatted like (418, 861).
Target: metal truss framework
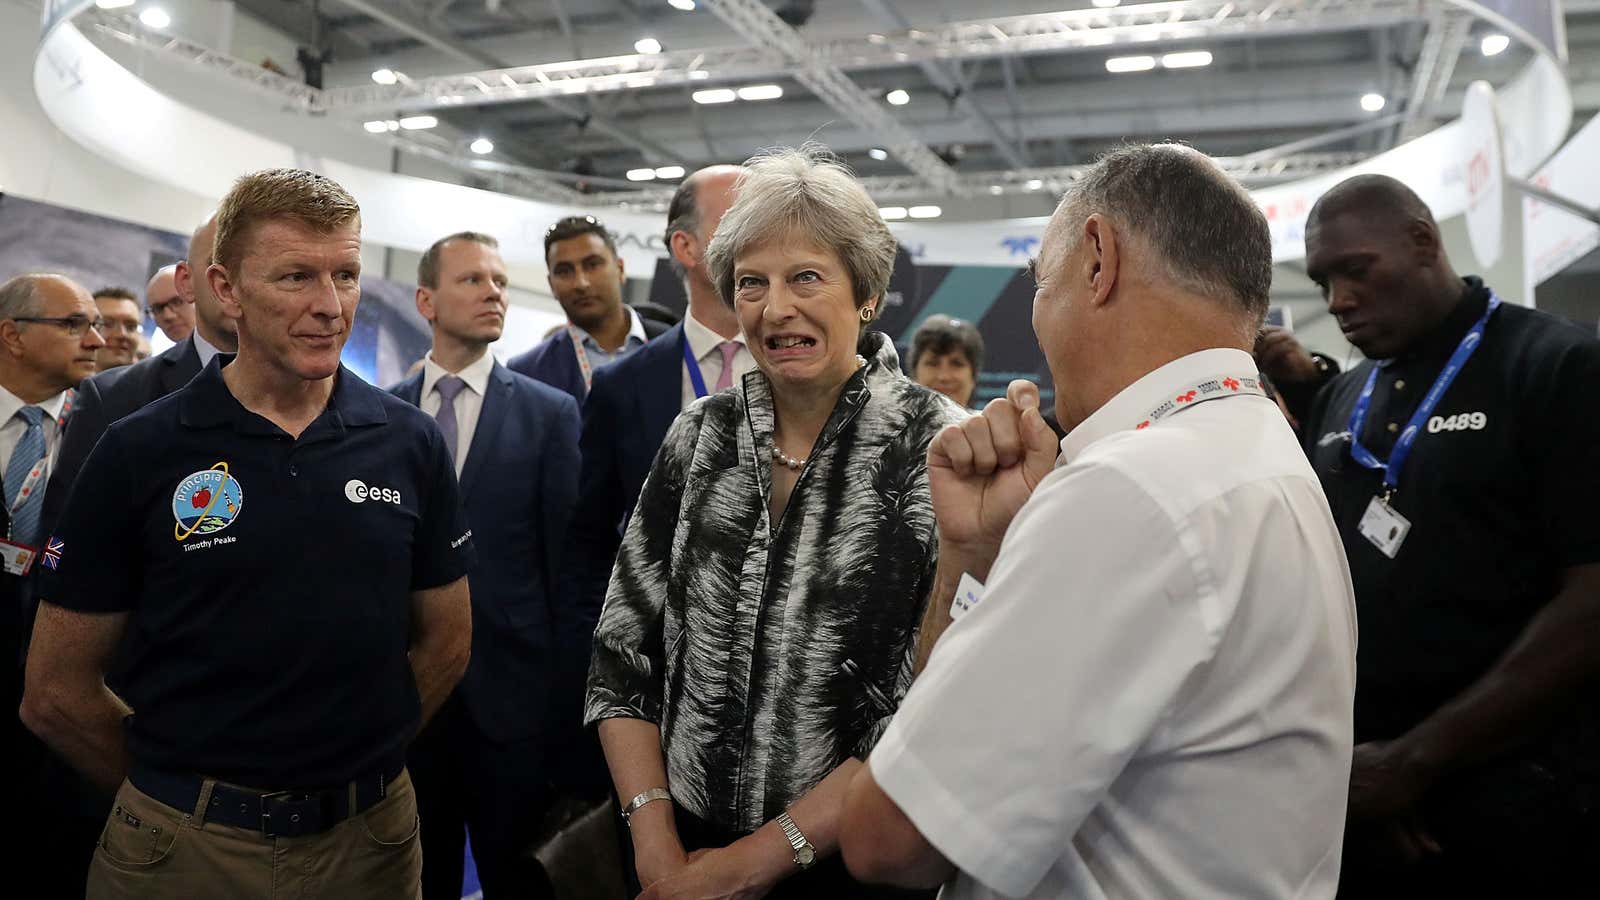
(1085, 29)
(1448, 31)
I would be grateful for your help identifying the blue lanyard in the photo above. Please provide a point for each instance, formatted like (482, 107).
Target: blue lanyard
(695, 378)
(1408, 438)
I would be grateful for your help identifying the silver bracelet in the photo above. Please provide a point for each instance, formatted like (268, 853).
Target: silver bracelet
(650, 796)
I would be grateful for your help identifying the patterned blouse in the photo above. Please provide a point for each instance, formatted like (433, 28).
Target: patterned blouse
(769, 653)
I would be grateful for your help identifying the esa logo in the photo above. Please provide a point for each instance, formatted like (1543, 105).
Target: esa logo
(357, 492)
(1475, 421)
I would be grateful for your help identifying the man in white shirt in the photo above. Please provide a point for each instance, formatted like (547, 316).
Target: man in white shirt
(1151, 694)
(486, 763)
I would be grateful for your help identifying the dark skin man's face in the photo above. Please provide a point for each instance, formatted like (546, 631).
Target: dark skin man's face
(1372, 276)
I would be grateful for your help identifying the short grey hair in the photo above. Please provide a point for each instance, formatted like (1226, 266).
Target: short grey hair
(20, 297)
(1207, 232)
(805, 192)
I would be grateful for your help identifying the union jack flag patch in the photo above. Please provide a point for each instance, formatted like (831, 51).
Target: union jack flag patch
(52, 552)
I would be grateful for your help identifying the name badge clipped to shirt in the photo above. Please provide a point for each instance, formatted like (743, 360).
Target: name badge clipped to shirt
(18, 558)
(969, 593)
(1384, 527)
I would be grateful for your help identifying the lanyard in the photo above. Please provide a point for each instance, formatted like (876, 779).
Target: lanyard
(35, 474)
(1408, 438)
(1219, 388)
(695, 378)
(584, 368)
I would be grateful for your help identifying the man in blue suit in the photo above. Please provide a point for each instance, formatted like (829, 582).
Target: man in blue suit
(485, 764)
(586, 277)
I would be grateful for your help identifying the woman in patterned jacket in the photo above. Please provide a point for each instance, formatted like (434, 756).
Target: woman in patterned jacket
(758, 630)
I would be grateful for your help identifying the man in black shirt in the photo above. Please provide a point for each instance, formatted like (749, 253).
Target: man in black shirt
(285, 547)
(1457, 464)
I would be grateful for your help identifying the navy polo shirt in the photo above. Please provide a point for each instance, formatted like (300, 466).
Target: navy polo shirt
(267, 578)
(1500, 489)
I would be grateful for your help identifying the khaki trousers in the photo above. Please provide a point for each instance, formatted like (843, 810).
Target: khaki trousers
(150, 850)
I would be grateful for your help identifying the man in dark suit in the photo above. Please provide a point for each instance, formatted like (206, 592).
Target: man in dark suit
(586, 277)
(486, 763)
(632, 402)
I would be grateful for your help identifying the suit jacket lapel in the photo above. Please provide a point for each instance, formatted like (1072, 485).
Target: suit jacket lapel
(180, 368)
(662, 393)
(495, 402)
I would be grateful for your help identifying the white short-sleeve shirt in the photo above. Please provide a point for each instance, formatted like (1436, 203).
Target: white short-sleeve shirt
(1153, 697)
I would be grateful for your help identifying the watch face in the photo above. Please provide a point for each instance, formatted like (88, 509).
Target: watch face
(805, 856)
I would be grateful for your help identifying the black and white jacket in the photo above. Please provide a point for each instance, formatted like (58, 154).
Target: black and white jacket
(769, 654)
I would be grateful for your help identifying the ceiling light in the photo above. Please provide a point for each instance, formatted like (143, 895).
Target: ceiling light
(685, 5)
(385, 76)
(670, 172)
(1121, 64)
(155, 17)
(1192, 59)
(715, 95)
(1035, 184)
(647, 45)
(996, 189)
(876, 39)
(1494, 44)
(698, 75)
(482, 146)
(1106, 4)
(892, 213)
(925, 212)
(376, 127)
(878, 153)
(760, 92)
(641, 174)
(897, 97)
(418, 123)
(1372, 102)
(391, 125)
(113, 4)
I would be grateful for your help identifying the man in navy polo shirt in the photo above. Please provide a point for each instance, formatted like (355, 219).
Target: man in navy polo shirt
(285, 545)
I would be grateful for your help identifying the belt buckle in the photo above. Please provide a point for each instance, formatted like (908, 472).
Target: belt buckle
(290, 814)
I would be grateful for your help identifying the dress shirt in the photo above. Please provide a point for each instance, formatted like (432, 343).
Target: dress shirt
(1153, 697)
(12, 428)
(468, 403)
(703, 343)
(636, 338)
(204, 348)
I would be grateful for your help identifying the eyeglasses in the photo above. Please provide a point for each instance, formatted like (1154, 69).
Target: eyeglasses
(118, 325)
(156, 310)
(74, 325)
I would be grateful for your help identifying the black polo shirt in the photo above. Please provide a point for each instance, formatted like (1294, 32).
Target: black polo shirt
(267, 578)
(1501, 489)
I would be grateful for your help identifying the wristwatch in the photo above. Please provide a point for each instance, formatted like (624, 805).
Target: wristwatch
(805, 855)
(658, 793)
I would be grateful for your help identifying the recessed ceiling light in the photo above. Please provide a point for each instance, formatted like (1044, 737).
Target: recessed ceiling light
(418, 123)
(1494, 44)
(641, 174)
(878, 153)
(1119, 64)
(698, 75)
(376, 127)
(925, 212)
(155, 17)
(760, 92)
(1035, 184)
(892, 213)
(715, 95)
(1372, 102)
(1190, 59)
(670, 172)
(1106, 4)
(897, 97)
(482, 146)
(647, 45)
(996, 189)
(685, 5)
(385, 76)
(114, 4)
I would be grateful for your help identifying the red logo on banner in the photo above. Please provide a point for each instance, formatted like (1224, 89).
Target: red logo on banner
(1185, 398)
(1231, 384)
(1142, 425)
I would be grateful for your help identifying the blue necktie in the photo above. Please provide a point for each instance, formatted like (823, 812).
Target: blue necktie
(448, 387)
(29, 450)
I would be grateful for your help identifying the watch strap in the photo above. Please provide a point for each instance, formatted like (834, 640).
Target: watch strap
(804, 852)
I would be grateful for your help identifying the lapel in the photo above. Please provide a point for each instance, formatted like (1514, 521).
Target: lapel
(179, 366)
(410, 390)
(496, 402)
(661, 394)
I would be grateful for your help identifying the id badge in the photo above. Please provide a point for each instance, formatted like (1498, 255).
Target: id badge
(18, 558)
(1384, 527)
(969, 593)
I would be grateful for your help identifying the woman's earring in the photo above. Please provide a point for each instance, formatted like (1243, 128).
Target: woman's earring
(868, 314)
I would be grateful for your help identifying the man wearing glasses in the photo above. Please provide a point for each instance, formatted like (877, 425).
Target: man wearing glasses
(169, 309)
(119, 307)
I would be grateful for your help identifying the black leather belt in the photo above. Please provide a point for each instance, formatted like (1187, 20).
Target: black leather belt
(273, 813)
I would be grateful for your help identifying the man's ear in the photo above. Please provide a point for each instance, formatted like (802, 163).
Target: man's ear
(685, 249)
(11, 338)
(425, 304)
(223, 288)
(1103, 257)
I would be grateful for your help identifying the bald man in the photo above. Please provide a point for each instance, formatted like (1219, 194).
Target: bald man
(1458, 464)
(173, 314)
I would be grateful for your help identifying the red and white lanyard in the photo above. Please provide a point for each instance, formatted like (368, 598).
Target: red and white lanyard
(1218, 388)
(584, 367)
(35, 474)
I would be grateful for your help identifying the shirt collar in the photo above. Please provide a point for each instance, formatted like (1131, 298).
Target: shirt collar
(203, 347)
(475, 375)
(207, 402)
(1135, 402)
(702, 340)
(10, 403)
(1438, 344)
(636, 334)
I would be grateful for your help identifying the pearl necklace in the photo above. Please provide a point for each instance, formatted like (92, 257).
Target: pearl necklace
(798, 463)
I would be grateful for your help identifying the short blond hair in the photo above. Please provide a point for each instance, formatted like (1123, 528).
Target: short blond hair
(312, 200)
(806, 193)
